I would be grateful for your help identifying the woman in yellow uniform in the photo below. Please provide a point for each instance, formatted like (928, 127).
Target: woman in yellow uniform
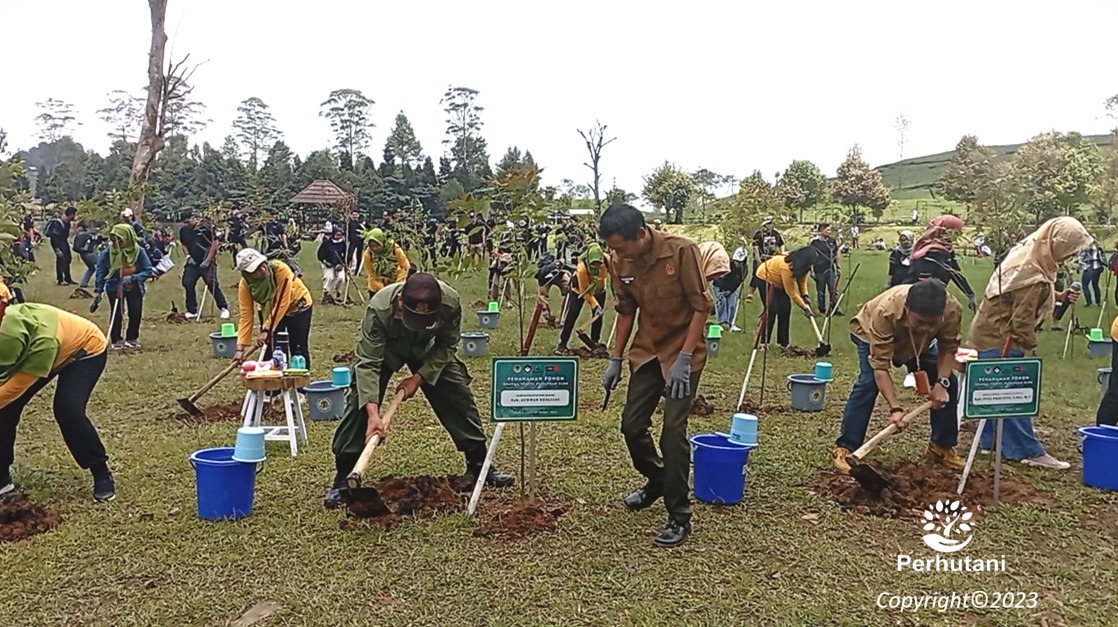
(37, 344)
(786, 280)
(383, 260)
(267, 284)
(588, 284)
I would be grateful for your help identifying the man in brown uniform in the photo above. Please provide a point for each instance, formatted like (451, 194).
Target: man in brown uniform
(658, 274)
(897, 328)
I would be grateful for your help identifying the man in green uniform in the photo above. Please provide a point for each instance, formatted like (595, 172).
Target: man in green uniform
(414, 323)
(657, 273)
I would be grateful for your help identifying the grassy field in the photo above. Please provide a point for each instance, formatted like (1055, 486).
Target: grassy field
(785, 556)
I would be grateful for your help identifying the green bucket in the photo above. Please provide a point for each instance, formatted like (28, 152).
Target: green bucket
(1095, 335)
(714, 332)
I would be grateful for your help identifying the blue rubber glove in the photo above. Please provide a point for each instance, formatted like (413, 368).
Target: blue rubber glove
(679, 377)
(612, 375)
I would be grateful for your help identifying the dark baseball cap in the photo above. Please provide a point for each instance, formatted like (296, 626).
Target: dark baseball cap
(422, 296)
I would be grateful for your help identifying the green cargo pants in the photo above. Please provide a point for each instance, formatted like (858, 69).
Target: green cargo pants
(450, 397)
(673, 471)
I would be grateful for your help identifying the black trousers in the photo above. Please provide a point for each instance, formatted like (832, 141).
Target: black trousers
(1108, 407)
(75, 384)
(572, 303)
(62, 260)
(191, 272)
(134, 303)
(778, 312)
(298, 327)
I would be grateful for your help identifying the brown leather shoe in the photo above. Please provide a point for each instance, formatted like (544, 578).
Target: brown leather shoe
(945, 456)
(840, 454)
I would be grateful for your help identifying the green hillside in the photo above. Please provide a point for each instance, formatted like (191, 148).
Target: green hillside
(912, 178)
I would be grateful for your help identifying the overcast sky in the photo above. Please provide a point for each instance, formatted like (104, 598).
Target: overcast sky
(730, 86)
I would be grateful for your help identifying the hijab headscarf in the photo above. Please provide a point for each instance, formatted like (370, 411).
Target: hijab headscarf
(1037, 258)
(127, 251)
(263, 289)
(594, 254)
(901, 247)
(936, 238)
(714, 260)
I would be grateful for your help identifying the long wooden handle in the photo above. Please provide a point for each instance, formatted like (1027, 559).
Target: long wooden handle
(590, 322)
(890, 430)
(233, 365)
(371, 445)
(815, 326)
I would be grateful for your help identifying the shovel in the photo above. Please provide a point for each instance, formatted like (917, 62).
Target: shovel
(188, 403)
(584, 337)
(365, 502)
(824, 348)
(865, 474)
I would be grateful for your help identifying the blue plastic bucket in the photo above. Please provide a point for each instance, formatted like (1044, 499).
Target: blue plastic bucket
(225, 487)
(808, 393)
(326, 400)
(743, 429)
(224, 347)
(719, 468)
(824, 371)
(1100, 457)
(340, 377)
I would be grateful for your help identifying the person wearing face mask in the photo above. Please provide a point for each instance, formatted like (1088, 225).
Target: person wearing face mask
(933, 256)
(896, 329)
(899, 262)
(1019, 296)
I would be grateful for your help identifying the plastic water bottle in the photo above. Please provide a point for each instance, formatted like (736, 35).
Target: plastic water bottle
(279, 359)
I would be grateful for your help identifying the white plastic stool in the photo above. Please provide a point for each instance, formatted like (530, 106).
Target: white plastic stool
(252, 410)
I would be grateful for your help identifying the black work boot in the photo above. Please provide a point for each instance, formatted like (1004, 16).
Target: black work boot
(104, 488)
(343, 465)
(674, 533)
(643, 498)
(494, 478)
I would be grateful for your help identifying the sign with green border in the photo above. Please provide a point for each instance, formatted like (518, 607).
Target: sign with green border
(534, 388)
(1002, 388)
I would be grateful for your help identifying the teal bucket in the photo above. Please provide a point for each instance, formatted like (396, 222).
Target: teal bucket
(326, 400)
(340, 377)
(824, 371)
(224, 487)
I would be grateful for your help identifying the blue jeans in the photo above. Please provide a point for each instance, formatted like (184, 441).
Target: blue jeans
(1091, 278)
(1019, 441)
(90, 261)
(863, 397)
(725, 304)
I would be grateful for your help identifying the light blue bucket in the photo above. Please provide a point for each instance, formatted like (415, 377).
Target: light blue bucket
(340, 377)
(743, 429)
(824, 371)
(808, 393)
(326, 400)
(488, 319)
(249, 448)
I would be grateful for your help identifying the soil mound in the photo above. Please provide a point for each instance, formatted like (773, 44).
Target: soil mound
(21, 519)
(520, 520)
(226, 412)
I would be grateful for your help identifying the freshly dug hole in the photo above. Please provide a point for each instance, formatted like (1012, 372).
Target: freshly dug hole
(226, 412)
(421, 497)
(520, 520)
(21, 519)
(913, 487)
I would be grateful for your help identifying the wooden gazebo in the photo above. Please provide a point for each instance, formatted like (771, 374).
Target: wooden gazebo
(320, 197)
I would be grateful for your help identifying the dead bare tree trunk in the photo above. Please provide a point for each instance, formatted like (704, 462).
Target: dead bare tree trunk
(595, 141)
(151, 138)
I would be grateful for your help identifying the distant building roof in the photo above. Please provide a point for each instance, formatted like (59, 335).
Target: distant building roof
(323, 192)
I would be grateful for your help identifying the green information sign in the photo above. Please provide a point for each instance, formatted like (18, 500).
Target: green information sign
(534, 388)
(1002, 388)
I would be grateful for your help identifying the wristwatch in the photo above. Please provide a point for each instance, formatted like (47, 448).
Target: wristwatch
(945, 383)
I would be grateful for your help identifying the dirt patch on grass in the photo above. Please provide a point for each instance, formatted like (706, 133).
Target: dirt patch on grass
(81, 292)
(419, 497)
(21, 519)
(701, 406)
(343, 358)
(226, 412)
(176, 317)
(796, 351)
(751, 407)
(480, 305)
(520, 520)
(913, 487)
(599, 352)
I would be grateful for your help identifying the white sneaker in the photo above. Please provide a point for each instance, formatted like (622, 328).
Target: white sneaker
(224, 314)
(6, 488)
(735, 329)
(191, 316)
(1046, 461)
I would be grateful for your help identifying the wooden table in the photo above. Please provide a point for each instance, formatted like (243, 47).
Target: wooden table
(257, 395)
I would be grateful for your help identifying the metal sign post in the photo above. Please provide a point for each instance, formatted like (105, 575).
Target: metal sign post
(999, 389)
